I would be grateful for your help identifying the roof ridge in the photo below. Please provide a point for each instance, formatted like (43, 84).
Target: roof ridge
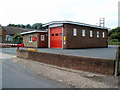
(72, 22)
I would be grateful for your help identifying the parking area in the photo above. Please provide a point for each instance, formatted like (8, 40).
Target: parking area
(107, 53)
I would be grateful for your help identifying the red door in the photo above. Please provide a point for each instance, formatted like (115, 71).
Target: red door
(56, 37)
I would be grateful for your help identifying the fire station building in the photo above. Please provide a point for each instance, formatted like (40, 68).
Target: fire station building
(67, 35)
(35, 38)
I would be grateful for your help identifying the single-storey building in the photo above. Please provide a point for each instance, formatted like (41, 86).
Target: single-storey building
(11, 31)
(35, 38)
(7, 33)
(69, 34)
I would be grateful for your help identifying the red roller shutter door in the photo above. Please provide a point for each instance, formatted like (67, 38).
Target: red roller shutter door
(56, 37)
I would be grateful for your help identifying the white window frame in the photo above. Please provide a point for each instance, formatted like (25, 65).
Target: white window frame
(98, 34)
(74, 32)
(103, 34)
(91, 33)
(30, 40)
(83, 32)
(42, 37)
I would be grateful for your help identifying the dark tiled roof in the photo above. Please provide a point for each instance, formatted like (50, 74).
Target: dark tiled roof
(14, 30)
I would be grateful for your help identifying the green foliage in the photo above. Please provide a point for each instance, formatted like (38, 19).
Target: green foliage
(34, 26)
(114, 40)
(114, 43)
(22, 26)
(115, 30)
(18, 38)
(13, 25)
(28, 26)
(37, 26)
(114, 34)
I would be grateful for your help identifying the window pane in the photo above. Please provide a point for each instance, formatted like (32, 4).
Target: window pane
(56, 34)
(42, 37)
(97, 33)
(103, 34)
(83, 33)
(60, 34)
(74, 32)
(90, 33)
(30, 38)
(52, 34)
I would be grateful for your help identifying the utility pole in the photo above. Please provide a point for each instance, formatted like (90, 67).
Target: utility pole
(119, 14)
(102, 22)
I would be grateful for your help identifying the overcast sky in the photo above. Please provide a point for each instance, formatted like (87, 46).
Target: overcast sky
(43, 11)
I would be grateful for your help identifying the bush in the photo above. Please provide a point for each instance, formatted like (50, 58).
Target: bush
(114, 34)
(114, 43)
(17, 38)
(114, 40)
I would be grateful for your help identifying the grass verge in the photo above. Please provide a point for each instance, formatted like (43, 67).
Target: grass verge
(114, 43)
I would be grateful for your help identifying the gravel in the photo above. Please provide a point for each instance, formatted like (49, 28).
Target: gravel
(74, 78)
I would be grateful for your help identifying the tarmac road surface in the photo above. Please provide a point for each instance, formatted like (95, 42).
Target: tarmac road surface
(16, 76)
(108, 53)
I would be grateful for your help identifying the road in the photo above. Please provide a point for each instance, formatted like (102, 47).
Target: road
(11, 51)
(17, 76)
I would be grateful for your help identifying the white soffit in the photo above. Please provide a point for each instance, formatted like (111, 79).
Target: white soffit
(34, 31)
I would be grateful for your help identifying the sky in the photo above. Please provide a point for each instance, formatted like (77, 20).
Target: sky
(44, 11)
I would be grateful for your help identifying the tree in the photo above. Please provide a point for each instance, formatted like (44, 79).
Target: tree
(17, 38)
(114, 34)
(11, 25)
(28, 26)
(22, 26)
(115, 30)
(34, 26)
(37, 26)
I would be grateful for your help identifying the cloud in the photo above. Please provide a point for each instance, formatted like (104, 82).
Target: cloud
(32, 11)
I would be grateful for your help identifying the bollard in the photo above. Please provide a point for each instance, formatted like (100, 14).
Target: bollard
(17, 46)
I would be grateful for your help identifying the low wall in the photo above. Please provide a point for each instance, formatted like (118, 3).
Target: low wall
(95, 65)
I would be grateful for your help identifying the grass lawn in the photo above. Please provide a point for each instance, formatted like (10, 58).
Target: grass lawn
(113, 43)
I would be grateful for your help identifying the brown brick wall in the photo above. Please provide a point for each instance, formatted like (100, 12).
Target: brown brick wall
(95, 65)
(37, 43)
(84, 42)
(2, 35)
(45, 42)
